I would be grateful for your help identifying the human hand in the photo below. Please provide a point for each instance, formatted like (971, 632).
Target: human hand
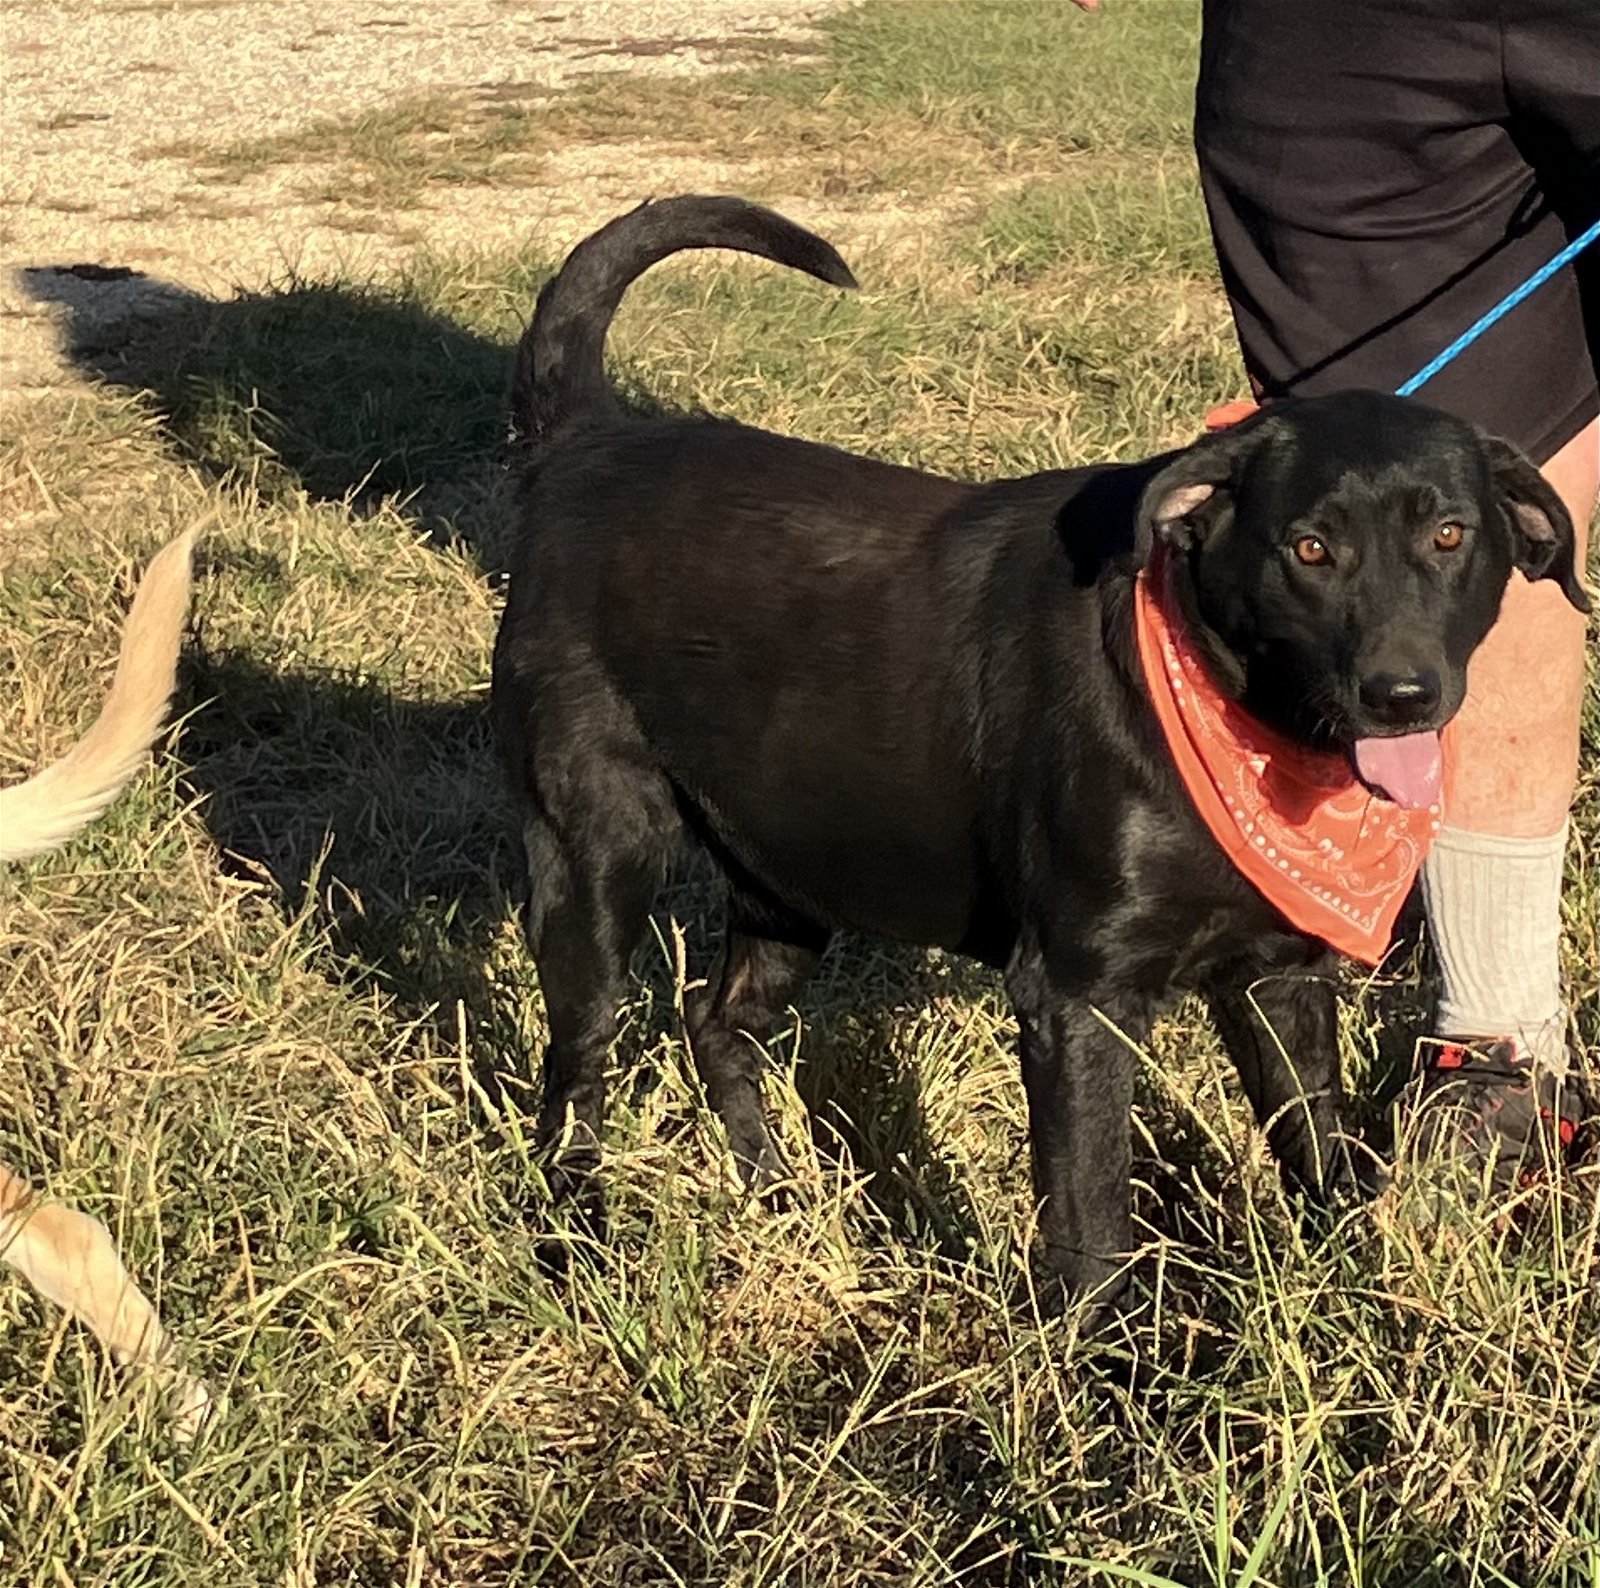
(1087, 5)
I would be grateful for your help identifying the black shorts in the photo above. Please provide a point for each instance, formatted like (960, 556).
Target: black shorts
(1381, 172)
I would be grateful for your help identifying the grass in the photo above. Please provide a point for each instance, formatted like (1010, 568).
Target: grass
(389, 157)
(272, 1021)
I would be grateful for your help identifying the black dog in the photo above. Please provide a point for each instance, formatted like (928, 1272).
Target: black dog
(901, 704)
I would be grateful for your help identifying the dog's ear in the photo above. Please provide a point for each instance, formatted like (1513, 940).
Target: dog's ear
(1199, 478)
(1544, 544)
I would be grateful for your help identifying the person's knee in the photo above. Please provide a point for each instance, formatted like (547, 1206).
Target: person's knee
(1574, 472)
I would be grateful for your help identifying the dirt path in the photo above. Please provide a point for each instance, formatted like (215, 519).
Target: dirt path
(98, 92)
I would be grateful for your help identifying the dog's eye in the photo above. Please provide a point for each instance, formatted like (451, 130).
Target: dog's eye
(1447, 537)
(1311, 551)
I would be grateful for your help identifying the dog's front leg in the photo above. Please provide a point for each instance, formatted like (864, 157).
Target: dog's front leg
(1281, 1029)
(1078, 1070)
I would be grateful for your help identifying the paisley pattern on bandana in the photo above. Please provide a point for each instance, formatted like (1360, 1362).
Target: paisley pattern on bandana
(1333, 857)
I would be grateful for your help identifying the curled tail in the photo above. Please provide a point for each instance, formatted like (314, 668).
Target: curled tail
(560, 378)
(66, 796)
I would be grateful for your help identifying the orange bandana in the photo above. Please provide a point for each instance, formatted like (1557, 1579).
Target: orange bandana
(1335, 858)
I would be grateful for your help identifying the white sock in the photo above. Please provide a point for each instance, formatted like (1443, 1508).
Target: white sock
(1494, 914)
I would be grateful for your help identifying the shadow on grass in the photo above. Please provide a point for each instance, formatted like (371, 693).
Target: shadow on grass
(865, 1096)
(351, 394)
(358, 395)
(381, 815)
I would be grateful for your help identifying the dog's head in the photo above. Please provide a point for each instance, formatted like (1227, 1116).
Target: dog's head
(1340, 559)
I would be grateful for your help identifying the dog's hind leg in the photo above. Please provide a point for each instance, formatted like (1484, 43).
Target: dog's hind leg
(588, 907)
(768, 957)
(1281, 1029)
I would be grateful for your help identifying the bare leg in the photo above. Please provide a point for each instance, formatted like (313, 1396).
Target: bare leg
(1493, 882)
(1515, 751)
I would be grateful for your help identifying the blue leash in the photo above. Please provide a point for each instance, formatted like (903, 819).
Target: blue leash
(1502, 308)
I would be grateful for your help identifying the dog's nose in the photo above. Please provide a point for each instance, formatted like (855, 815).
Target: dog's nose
(1401, 697)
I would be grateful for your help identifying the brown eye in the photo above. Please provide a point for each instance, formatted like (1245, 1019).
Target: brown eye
(1311, 551)
(1447, 537)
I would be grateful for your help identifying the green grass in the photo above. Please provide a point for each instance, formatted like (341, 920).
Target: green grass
(271, 1018)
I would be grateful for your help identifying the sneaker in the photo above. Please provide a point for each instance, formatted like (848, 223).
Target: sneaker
(1486, 1106)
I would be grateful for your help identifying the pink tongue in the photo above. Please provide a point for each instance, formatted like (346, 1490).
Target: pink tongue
(1409, 769)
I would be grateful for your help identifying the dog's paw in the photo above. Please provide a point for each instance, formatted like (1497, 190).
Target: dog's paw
(192, 1406)
(577, 1205)
(765, 1173)
(1096, 1292)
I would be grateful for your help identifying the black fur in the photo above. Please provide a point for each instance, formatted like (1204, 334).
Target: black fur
(900, 704)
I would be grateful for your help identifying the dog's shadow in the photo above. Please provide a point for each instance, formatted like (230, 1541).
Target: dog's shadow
(350, 394)
(376, 821)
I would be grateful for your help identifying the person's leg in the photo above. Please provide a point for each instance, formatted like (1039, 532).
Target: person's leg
(1493, 880)
(1364, 212)
(1516, 740)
